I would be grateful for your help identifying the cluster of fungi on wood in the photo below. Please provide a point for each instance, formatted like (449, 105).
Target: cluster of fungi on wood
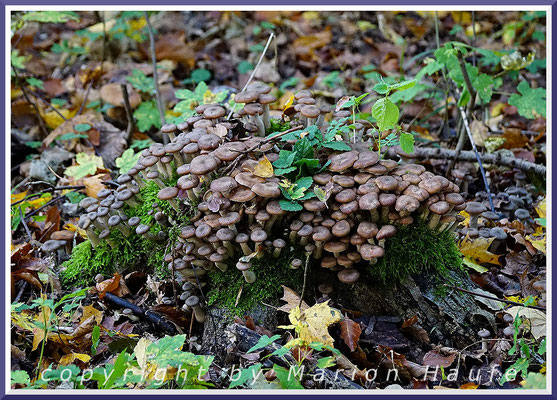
(237, 213)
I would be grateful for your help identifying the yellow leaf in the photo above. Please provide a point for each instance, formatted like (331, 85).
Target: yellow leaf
(140, 351)
(93, 185)
(39, 201)
(70, 358)
(53, 120)
(74, 228)
(264, 168)
(17, 197)
(312, 324)
(90, 310)
(534, 320)
(539, 243)
(541, 208)
(477, 250)
(43, 317)
(288, 103)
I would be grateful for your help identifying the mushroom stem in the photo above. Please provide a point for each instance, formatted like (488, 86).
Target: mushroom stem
(434, 221)
(245, 249)
(266, 117)
(249, 276)
(199, 313)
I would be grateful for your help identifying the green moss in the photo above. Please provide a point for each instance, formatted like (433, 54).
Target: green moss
(418, 249)
(271, 274)
(277, 126)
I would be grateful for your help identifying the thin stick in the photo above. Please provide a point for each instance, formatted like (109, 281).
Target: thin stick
(22, 218)
(304, 284)
(155, 74)
(24, 90)
(38, 96)
(493, 298)
(471, 138)
(77, 187)
(271, 36)
(131, 125)
(82, 107)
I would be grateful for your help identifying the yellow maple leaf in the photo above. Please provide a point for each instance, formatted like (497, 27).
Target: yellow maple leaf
(477, 250)
(312, 324)
(264, 168)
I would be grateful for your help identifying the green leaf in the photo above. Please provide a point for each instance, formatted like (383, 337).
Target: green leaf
(534, 380)
(70, 136)
(141, 144)
(200, 75)
(406, 141)
(35, 82)
(386, 113)
(337, 145)
(285, 160)
(75, 197)
(304, 182)
(55, 17)
(95, 338)
(141, 82)
(20, 377)
(326, 362)
(484, 86)
(18, 61)
(464, 98)
(284, 171)
(185, 94)
(82, 127)
(403, 85)
(287, 205)
(127, 160)
(309, 162)
(59, 102)
(87, 165)
(245, 66)
(530, 103)
(120, 366)
(288, 83)
(287, 380)
(166, 349)
(264, 341)
(147, 116)
(381, 88)
(244, 375)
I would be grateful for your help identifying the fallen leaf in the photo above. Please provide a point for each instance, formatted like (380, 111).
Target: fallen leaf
(535, 319)
(112, 93)
(70, 358)
(312, 324)
(434, 358)
(477, 250)
(264, 168)
(292, 300)
(350, 332)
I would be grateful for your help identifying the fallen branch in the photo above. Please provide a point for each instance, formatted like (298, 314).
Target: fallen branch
(494, 298)
(129, 115)
(496, 158)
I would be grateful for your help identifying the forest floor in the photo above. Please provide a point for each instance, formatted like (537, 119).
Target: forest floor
(72, 134)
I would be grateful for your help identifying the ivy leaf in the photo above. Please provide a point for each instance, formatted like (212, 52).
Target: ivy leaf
(337, 145)
(147, 116)
(530, 102)
(386, 113)
(141, 82)
(87, 165)
(406, 141)
(127, 160)
(287, 205)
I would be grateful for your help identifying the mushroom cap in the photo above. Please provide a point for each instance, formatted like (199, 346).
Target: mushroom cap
(243, 266)
(348, 275)
(522, 213)
(369, 201)
(454, 199)
(341, 162)
(302, 94)
(346, 181)
(416, 192)
(213, 112)
(266, 98)
(230, 219)
(367, 229)
(345, 196)
(386, 183)
(87, 202)
(114, 220)
(248, 179)
(241, 194)
(350, 208)
(224, 184)
(203, 230)
(104, 234)
(371, 251)
(258, 236)
(279, 243)
(133, 221)
(142, 228)
(124, 195)
(168, 193)
(490, 215)
(273, 208)
(314, 205)
(440, 208)
(325, 288)
(52, 245)
(341, 228)
(322, 178)
(386, 232)
(407, 203)
(84, 222)
(229, 151)
(192, 301)
(335, 247)
(259, 87)
(432, 185)
(203, 164)
(253, 109)
(62, 235)
(484, 333)
(266, 189)
(305, 230)
(209, 142)
(498, 233)
(328, 262)
(187, 182)
(366, 159)
(475, 208)
(387, 199)
(310, 111)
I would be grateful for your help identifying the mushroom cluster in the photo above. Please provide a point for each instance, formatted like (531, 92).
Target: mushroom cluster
(209, 167)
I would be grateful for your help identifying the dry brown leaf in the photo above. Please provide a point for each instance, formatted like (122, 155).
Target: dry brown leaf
(112, 93)
(292, 301)
(350, 332)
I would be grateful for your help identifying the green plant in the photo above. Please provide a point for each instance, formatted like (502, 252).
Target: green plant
(141, 82)
(127, 160)
(189, 100)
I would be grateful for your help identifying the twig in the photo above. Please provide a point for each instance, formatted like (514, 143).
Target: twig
(467, 128)
(54, 200)
(495, 158)
(24, 90)
(304, 284)
(82, 106)
(155, 74)
(21, 290)
(232, 165)
(131, 125)
(22, 218)
(271, 36)
(38, 96)
(493, 297)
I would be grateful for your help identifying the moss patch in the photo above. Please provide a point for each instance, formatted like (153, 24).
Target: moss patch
(271, 274)
(418, 249)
